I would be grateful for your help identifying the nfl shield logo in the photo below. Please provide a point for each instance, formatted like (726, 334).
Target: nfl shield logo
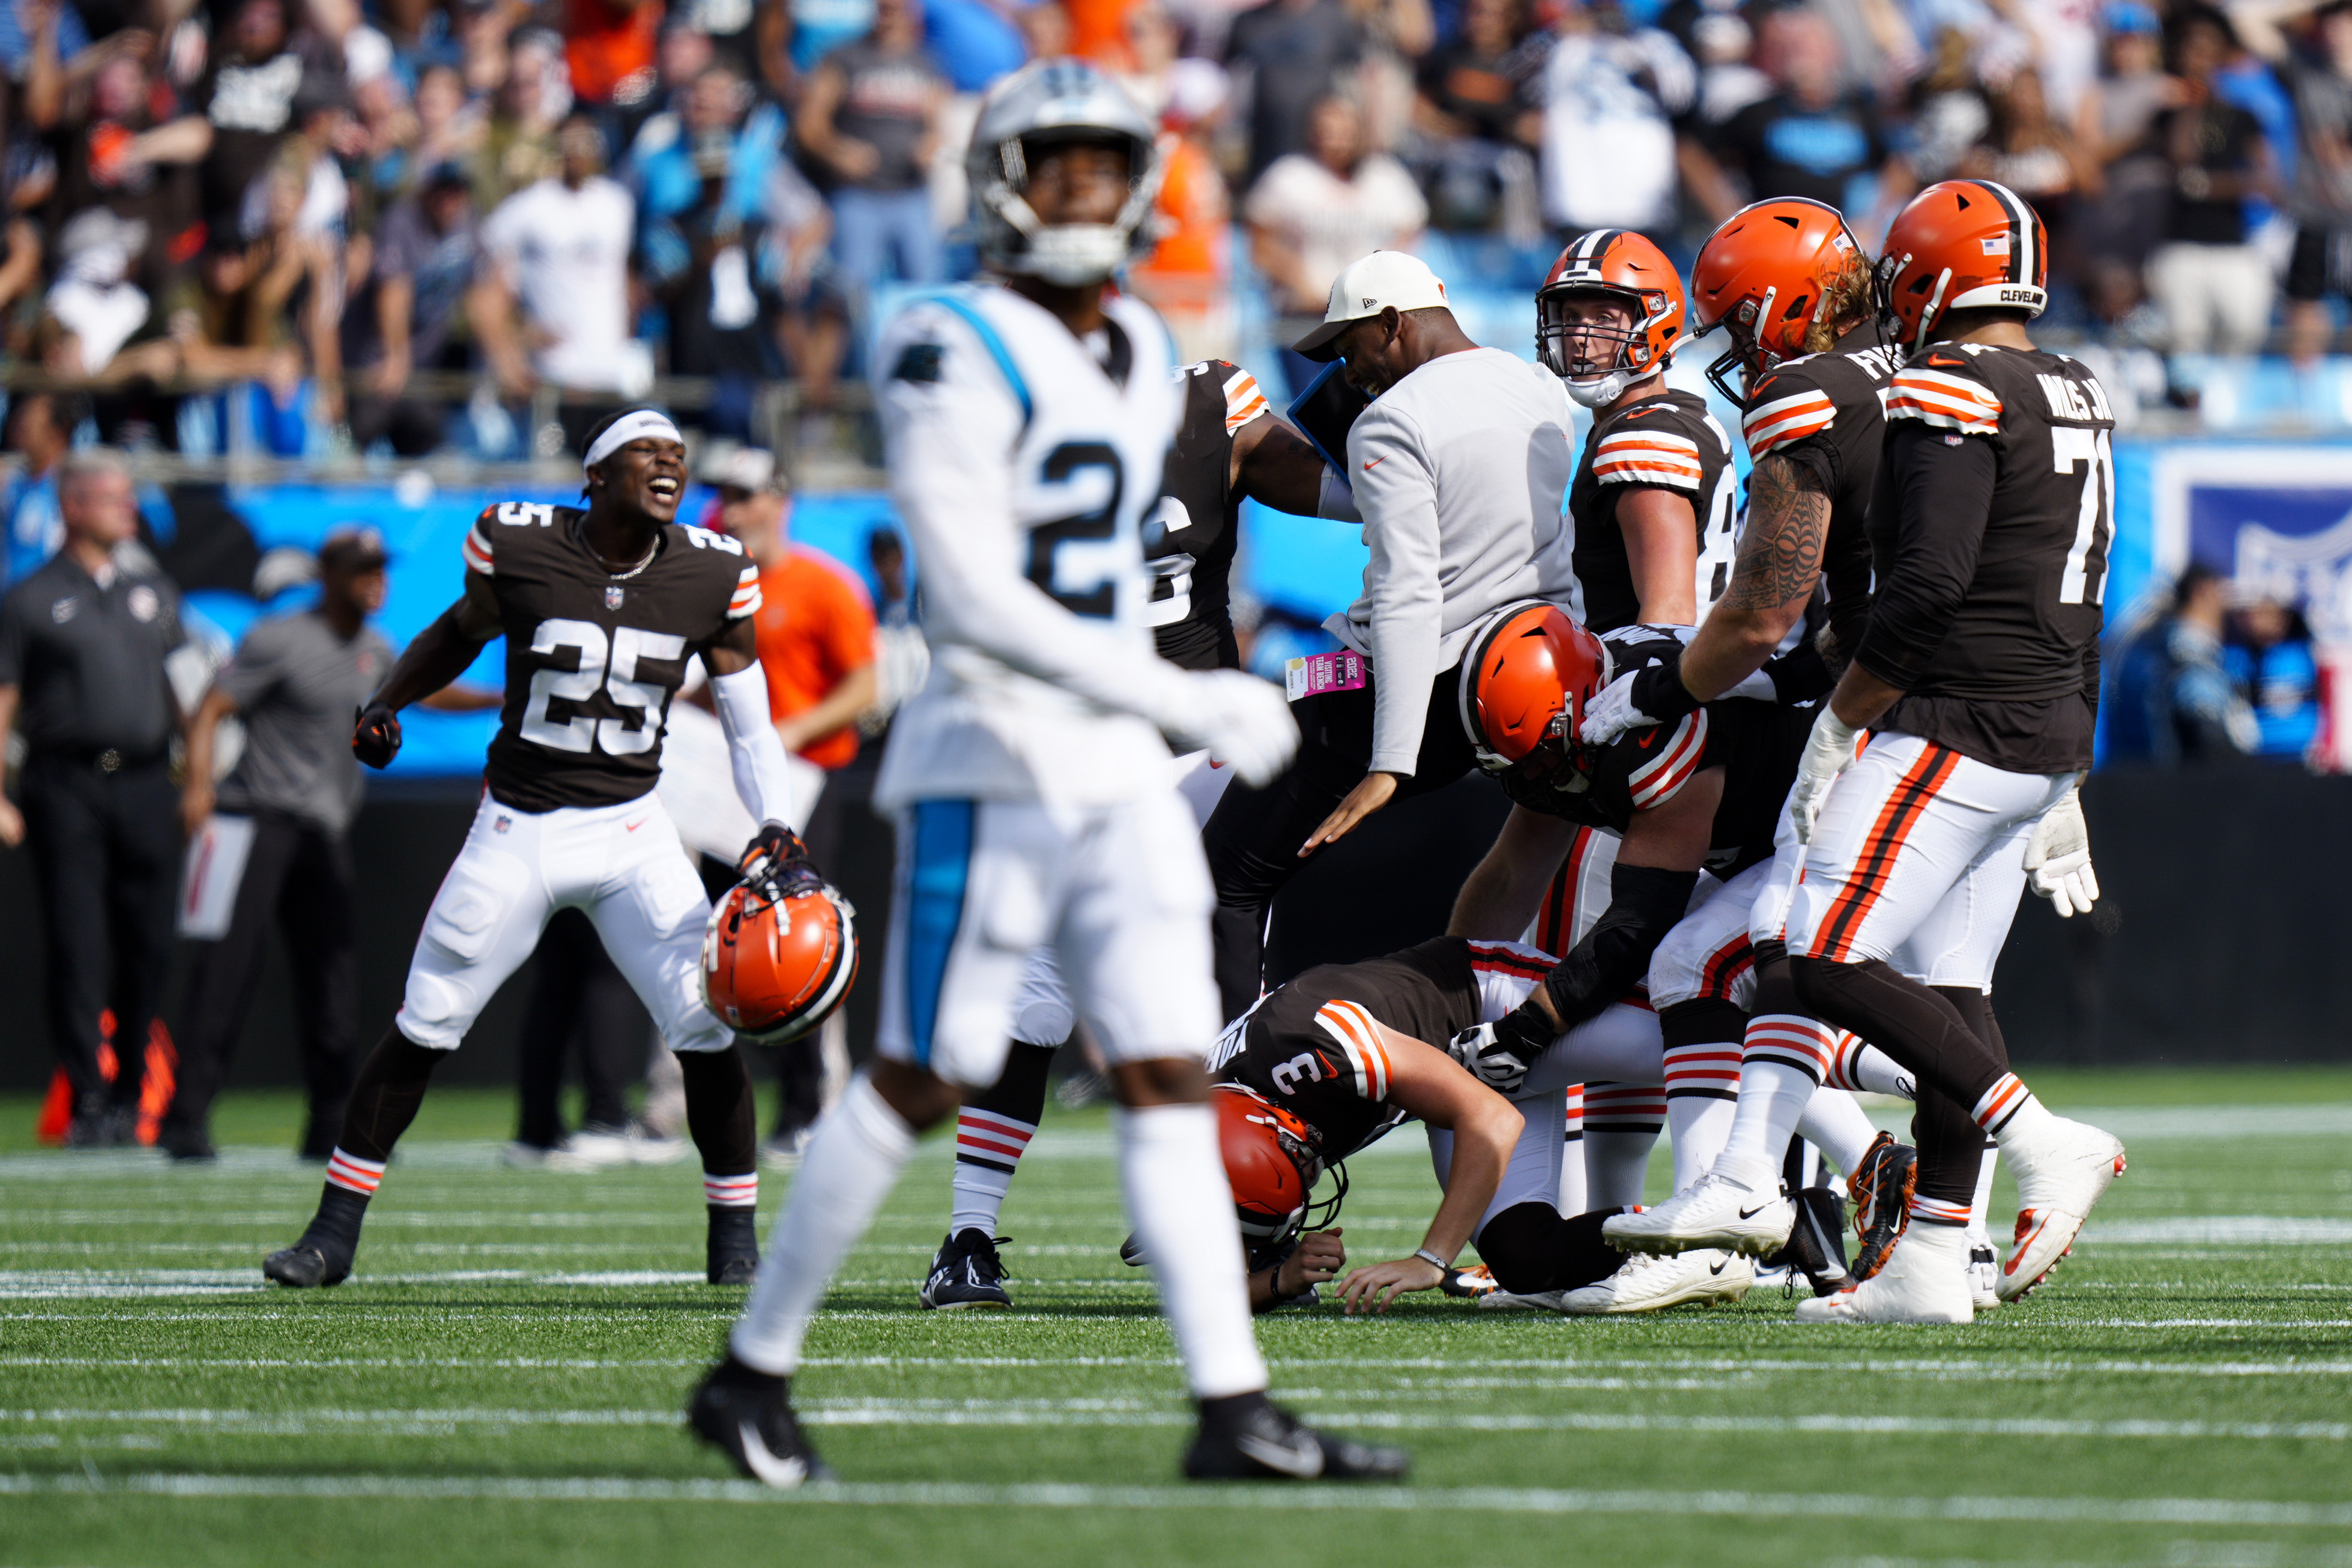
(611, 599)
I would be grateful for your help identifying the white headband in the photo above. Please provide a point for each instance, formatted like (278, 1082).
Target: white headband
(635, 425)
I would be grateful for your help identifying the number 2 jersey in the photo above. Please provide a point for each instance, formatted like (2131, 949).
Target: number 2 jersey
(1188, 544)
(595, 656)
(1309, 1047)
(1989, 530)
(1024, 461)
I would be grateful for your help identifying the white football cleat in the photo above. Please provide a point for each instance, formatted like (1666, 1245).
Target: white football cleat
(1713, 1211)
(1650, 1281)
(1984, 1270)
(2059, 1172)
(1920, 1285)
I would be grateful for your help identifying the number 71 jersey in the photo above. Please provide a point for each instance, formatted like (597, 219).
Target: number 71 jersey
(1023, 461)
(592, 657)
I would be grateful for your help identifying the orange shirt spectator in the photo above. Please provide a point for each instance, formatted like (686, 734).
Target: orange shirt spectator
(815, 628)
(610, 46)
(1098, 32)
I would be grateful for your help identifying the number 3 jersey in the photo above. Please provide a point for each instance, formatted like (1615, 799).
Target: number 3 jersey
(1989, 532)
(1024, 461)
(594, 658)
(1310, 1048)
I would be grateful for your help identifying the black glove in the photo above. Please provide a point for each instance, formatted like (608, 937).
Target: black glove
(777, 858)
(1801, 675)
(376, 734)
(1659, 692)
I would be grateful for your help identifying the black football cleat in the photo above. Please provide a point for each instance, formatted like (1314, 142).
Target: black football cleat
(967, 1272)
(1816, 1245)
(1265, 1443)
(731, 1255)
(747, 1415)
(1881, 1186)
(307, 1265)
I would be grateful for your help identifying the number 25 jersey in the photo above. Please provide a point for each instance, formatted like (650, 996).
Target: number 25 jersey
(1024, 461)
(594, 658)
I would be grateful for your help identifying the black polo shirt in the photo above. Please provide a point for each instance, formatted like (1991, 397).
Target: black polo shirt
(89, 660)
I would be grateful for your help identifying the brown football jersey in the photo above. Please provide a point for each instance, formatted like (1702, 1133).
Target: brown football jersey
(595, 656)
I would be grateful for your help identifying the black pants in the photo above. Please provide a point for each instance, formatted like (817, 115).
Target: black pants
(106, 855)
(578, 994)
(1252, 837)
(301, 873)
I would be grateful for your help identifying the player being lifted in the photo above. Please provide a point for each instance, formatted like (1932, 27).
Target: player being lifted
(1025, 423)
(1942, 774)
(602, 609)
(1229, 447)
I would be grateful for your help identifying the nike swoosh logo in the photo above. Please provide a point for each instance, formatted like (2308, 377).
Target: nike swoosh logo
(1719, 1267)
(1301, 1459)
(776, 1472)
(640, 822)
(1752, 1213)
(1376, 462)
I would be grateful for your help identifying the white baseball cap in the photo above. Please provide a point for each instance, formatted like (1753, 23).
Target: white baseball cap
(1366, 287)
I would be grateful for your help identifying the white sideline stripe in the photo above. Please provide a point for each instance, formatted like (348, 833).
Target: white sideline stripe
(2150, 1510)
(30, 1284)
(1134, 1412)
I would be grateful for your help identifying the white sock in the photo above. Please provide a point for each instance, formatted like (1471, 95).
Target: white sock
(989, 1147)
(1926, 1241)
(1174, 1174)
(852, 1162)
(2010, 1110)
(1871, 1070)
(1983, 1201)
(1572, 1162)
(1772, 1099)
(1835, 1124)
(1615, 1163)
(1700, 1124)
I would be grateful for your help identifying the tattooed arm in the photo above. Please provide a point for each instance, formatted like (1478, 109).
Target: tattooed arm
(1780, 562)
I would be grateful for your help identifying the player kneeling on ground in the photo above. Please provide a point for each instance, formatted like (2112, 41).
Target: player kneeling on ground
(600, 609)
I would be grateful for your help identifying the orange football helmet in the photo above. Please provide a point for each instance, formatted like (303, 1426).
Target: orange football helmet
(773, 967)
(1526, 679)
(1962, 245)
(1764, 275)
(1270, 1161)
(1618, 262)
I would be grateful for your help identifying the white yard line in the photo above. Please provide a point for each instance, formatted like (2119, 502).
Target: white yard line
(1160, 1412)
(2159, 1511)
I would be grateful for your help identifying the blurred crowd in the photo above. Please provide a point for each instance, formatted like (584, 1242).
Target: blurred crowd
(304, 226)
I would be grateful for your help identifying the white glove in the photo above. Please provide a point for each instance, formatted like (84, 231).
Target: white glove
(1244, 722)
(2058, 857)
(1612, 713)
(1829, 750)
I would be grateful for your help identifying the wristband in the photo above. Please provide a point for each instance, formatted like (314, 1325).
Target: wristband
(1432, 1259)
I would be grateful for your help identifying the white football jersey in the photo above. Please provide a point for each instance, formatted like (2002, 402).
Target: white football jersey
(1023, 470)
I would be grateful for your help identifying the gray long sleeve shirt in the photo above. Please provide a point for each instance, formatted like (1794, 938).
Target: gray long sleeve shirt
(1459, 471)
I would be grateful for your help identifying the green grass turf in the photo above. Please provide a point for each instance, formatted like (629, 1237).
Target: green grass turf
(478, 1395)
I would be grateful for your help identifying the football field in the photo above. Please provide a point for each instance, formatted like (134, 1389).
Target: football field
(502, 1380)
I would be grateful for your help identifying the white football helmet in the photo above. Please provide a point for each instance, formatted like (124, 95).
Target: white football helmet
(1041, 103)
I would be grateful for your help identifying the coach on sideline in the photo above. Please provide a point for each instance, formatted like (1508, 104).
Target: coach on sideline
(82, 644)
(1458, 470)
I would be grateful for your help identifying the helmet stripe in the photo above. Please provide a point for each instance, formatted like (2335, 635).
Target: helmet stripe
(2020, 230)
